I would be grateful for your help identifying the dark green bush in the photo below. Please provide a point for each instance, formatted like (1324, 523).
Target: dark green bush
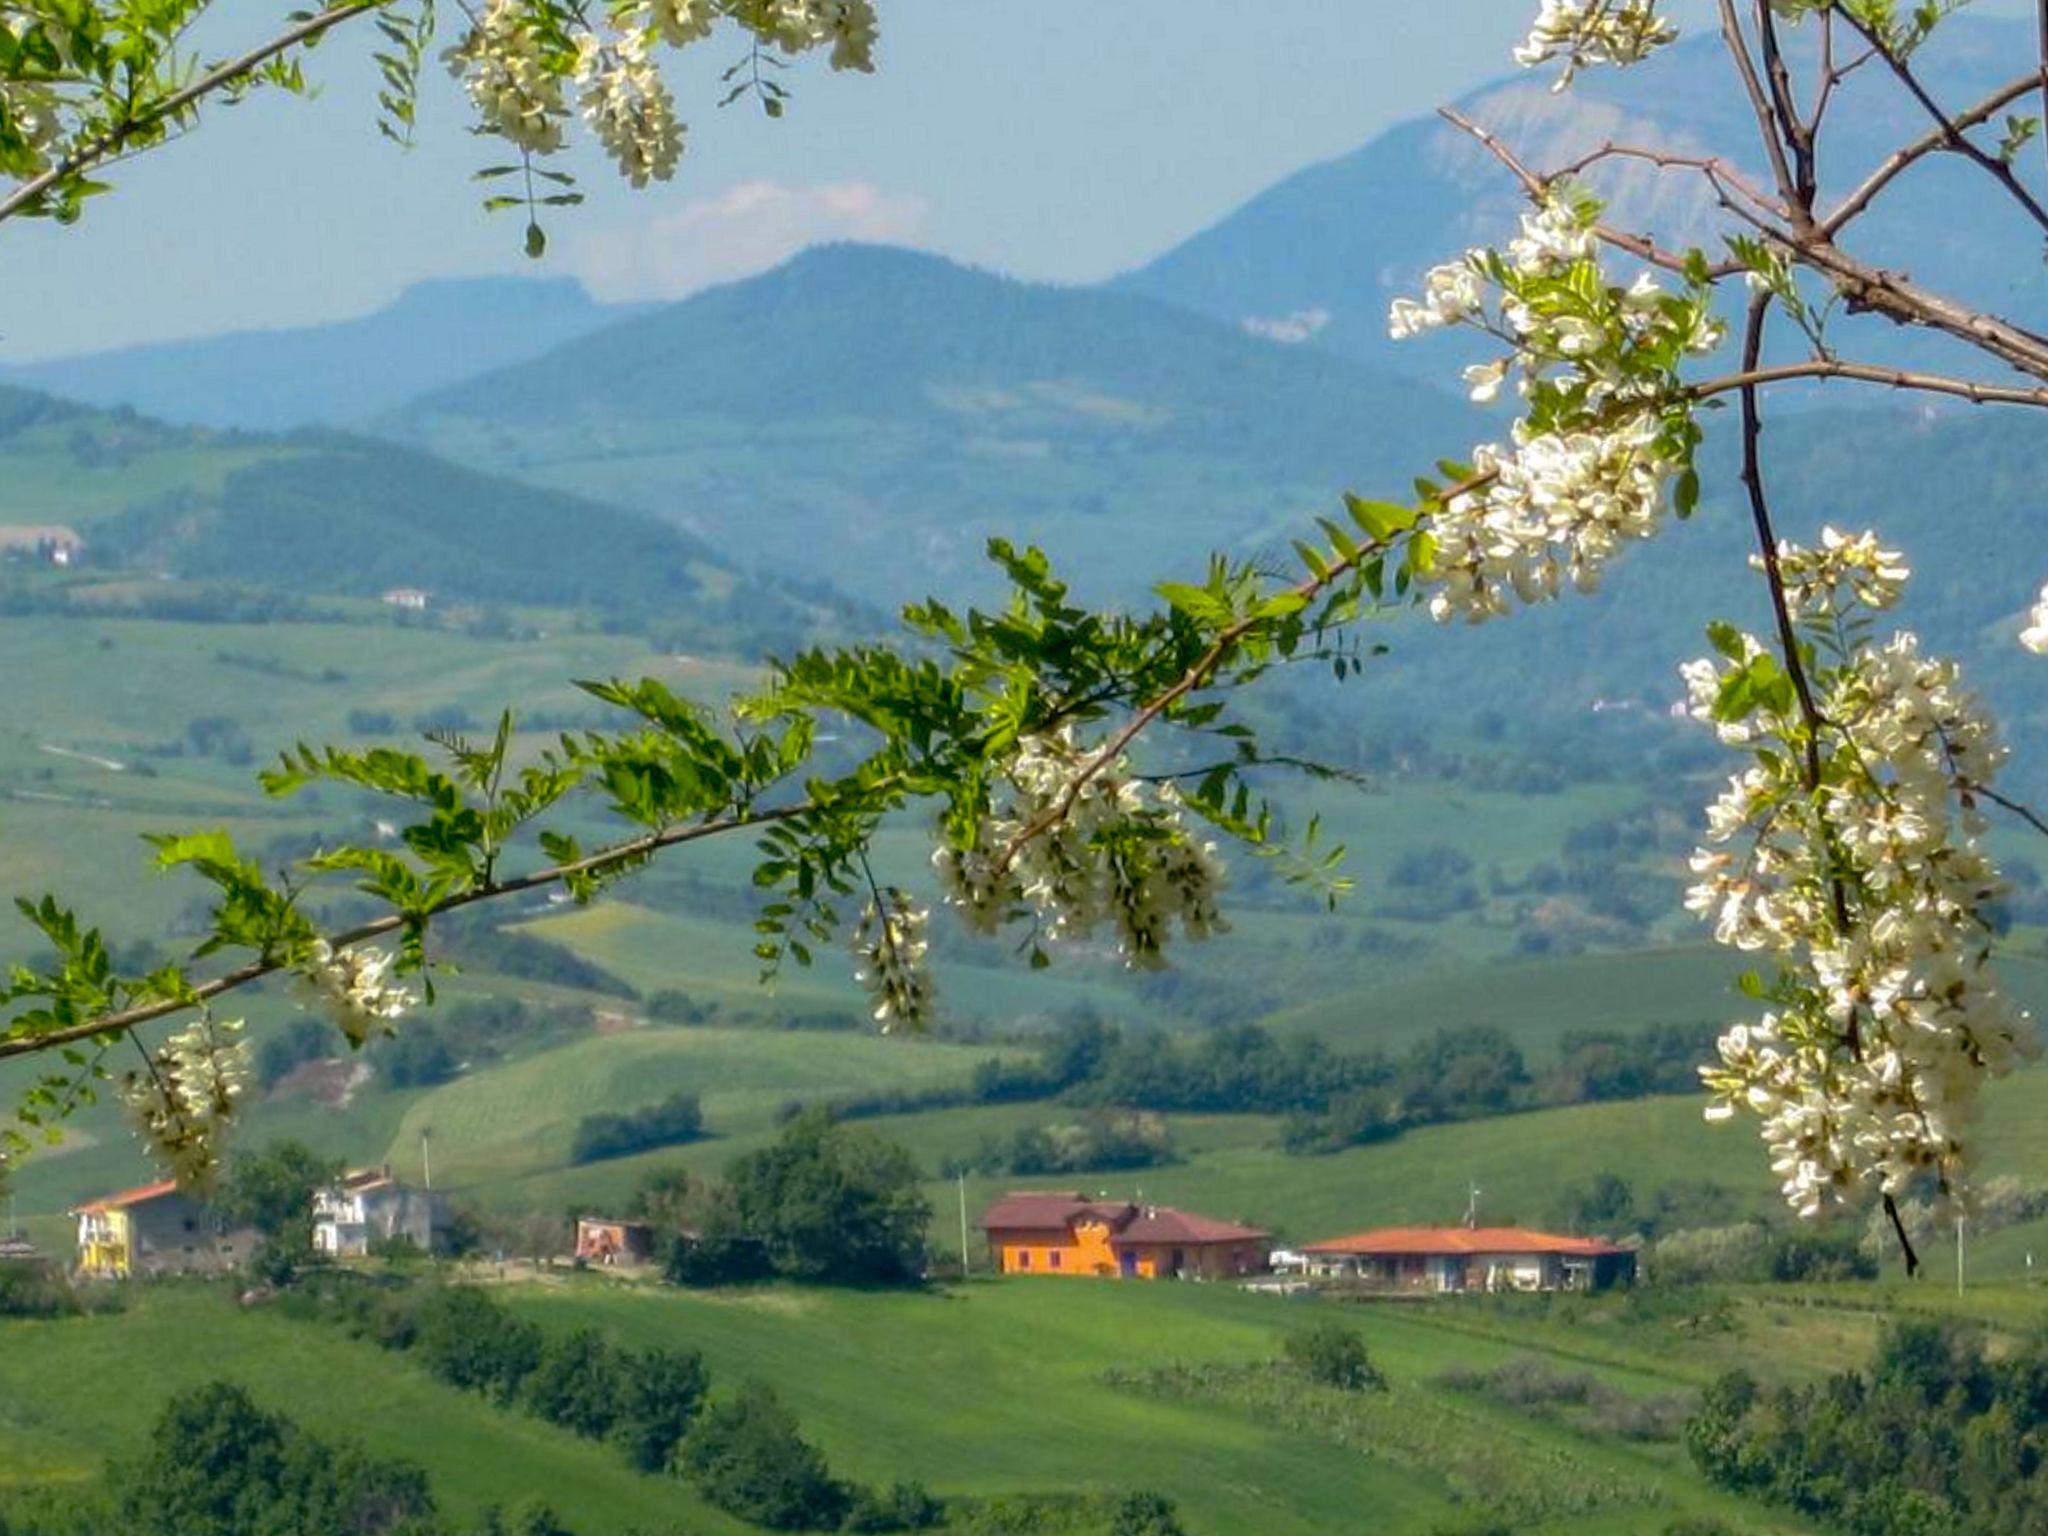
(1334, 1355)
(747, 1457)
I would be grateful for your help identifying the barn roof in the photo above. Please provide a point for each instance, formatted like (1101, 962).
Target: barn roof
(139, 1195)
(1030, 1211)
(1408, 1241)
(1163, 1224)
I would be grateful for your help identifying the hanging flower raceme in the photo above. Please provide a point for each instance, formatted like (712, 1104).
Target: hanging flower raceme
(1590, 32)
(628, 107)
(356, 986)
(1115, 853)
(889, 940)
(1866, 882)
(184, 1099)
(1605, 433)
(514, 71)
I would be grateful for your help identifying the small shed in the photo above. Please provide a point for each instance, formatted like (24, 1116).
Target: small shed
(612, 1243)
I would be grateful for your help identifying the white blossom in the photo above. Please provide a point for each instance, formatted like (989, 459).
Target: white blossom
(356, 986)
(1588, 32)
(1869, 891)
(184, 1099)
(515, 86)
(1589, 464)
(889, 940)
(1119, 856)
(629, 108)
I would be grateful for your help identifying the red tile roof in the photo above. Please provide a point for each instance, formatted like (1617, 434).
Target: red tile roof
(1408, 1241)
(128, 1197)
(1030, 1211)
(1033, 1211)
(1162, 1224)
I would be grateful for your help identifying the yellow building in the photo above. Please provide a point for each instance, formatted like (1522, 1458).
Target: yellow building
(153, 1230)
(1055, 1234)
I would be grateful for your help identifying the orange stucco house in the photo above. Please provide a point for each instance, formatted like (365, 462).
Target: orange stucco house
(1054, 1234)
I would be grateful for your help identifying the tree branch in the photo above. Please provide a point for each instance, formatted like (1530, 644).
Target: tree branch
(1935, 139)
(127, 1019)
(28, 193)
(1947, 127)
(1895, 378)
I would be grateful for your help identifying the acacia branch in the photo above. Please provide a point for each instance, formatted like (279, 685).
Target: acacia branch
(108, 1025)
(1198, 674)
(1933, 141)
(1947, 128)
(1759, 100)
(1866, 373)
(1538, 188)
(232, 71)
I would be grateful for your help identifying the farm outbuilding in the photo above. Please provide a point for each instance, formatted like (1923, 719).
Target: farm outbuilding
(612, 1243)
(1472, 1259)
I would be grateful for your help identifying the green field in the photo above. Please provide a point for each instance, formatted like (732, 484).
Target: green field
(987, 1389)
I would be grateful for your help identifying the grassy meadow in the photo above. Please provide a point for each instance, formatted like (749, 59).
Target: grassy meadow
(996, 1387)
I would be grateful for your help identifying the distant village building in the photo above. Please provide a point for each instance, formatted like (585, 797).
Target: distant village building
(613, 1244)
(369, 1207)
(1472, 1259)
(46, 544)
(156, 1230)
(1054, 1234)
(412, 599)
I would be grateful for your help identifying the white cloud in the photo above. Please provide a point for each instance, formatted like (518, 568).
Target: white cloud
(1291, 329)
(746, 229)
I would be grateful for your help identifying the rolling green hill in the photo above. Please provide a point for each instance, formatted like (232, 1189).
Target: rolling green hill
(871, 416)
(978, 1391)
(170, 514)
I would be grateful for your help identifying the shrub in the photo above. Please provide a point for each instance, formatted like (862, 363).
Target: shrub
(831, 1204)
(747, 1458)
(676, 1119)
(1145, 1514)
(468, 1340)
(575, 1384)
(1334, 1355)
(659, 1394)
(899, 1507)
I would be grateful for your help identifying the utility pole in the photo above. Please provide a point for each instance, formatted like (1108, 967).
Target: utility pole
(965, 1267)
(426, 1156)
(1473, 1192)
(1959, 1255)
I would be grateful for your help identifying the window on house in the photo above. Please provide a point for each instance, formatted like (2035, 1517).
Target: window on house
(1023, 1258)
(1053, 1259)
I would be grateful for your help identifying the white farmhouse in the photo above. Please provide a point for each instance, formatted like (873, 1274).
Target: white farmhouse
(369, 1207)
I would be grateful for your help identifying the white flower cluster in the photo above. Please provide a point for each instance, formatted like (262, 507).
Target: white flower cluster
(1871, 894)
(513, 81)
(1845, 566)
(183, 1102)
(1589, 462)
(356, 987)
(847, 25)
(1590, 32)
(31, 123)
(2035, 636)
(628, 106)
(518, 58)
(1121, 857)
(890, 941)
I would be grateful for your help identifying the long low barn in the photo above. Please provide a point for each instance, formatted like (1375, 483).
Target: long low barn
(1473, 1259)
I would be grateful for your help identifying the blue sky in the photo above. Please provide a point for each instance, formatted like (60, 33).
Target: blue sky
(1056, 139)
(1061, 139)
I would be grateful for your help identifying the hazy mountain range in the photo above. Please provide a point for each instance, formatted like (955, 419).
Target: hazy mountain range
(865, 418)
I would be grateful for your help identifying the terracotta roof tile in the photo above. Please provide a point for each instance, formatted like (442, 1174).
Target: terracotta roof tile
(1033, 1211)
(127, 1197)
(1163, 1224)
(1409, 1241)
